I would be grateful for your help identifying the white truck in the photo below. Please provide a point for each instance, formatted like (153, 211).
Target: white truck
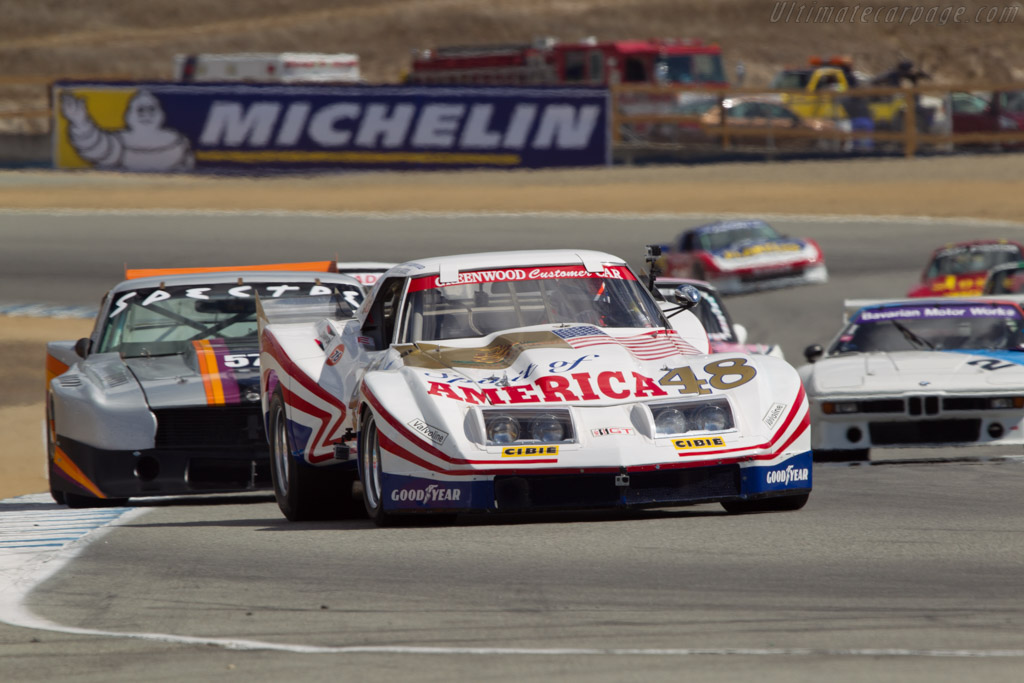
(268, 67)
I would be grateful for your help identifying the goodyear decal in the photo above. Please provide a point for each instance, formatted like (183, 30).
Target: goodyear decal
(184, 127)
(528, 451)
(699, 444)
(795, 473)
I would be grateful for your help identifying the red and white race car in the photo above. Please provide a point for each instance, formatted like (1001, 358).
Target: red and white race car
(743, 256)
(526, 380)
(960, 269)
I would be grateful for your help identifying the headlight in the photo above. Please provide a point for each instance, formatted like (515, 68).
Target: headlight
(669, 421)
(504, 427)
(547, 428)
(1006, 402)
(502, 430)
(696, 416)
(830, 408)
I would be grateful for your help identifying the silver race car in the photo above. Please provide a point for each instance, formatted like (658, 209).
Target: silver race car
(163, 397)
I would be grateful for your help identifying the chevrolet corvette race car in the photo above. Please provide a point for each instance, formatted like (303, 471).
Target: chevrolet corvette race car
(524, 380)
(163, 397)
(723, 333)
(918, 372)
(744, 256)
(961, 269)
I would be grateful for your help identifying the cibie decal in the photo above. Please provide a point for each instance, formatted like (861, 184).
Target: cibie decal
(773, 414)
(528, 451)
(336, 354)
(788, 476)
(435, 434)
(611, 431)
(696, 444)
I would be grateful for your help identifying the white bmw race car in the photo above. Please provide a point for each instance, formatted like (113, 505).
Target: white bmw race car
(525, 380)
(918, 373)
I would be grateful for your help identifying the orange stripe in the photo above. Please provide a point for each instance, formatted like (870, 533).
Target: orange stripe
(53, 368)
(66, 465)
(210, 372)
(315, 266)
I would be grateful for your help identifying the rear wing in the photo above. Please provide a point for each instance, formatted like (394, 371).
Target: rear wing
(851, 306)
(305, 266)
(307, 309)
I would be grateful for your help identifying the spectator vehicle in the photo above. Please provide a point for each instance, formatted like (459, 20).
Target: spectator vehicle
(961, 268)
(918, 372)
(742, 256)
(527, 380)
(751, 121)
(724, 334)
(163, 397)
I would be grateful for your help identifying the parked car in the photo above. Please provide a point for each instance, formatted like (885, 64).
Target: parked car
(918, 372)
(524, 380)
(163, 397)
(961, 268)
(752, 121)
(742, 256)
(988, 112)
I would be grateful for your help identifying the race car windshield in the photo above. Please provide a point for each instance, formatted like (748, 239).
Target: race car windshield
(165, 321)
(481, 305)
(1010, 281)
(917, 328)
(972, 260)
(721, 238)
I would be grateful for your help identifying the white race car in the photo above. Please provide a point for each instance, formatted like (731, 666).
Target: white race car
(918, 372)
(524, 380)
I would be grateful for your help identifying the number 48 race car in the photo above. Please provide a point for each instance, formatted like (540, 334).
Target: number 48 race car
(526, 380)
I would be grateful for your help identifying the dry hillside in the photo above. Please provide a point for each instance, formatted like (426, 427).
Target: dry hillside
(46, 39)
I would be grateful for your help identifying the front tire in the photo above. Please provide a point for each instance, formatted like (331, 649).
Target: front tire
(775, 504)
(304, 493)
(371, 472)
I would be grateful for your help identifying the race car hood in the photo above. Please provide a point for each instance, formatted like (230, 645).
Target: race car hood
(540, 366)
(915, 371)
(210, 372)
(964, 284)
(744, 255)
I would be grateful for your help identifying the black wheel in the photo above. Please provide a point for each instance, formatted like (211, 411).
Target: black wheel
(371, 472)
(73, 500)
(304, 493)
(776, 504)
(851, 455)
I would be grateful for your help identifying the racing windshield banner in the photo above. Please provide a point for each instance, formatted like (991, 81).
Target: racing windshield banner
(473, 277)
(166, 127)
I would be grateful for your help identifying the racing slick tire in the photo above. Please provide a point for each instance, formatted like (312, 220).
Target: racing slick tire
(304, 493)
(370, 472)
(776, 504)
(851, 455)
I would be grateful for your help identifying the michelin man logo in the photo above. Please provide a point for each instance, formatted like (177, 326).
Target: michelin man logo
(144, 144)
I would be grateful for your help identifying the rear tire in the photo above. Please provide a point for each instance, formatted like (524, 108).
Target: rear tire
(776, 504)
(304, 493)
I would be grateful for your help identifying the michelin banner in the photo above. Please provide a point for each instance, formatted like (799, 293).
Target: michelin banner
(164, 127)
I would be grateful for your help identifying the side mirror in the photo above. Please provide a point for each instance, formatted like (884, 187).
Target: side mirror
(687, 296)
(83, 346)
(813, 352)
(741, 333)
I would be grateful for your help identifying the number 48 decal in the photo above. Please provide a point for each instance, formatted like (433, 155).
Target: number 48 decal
(728, 373)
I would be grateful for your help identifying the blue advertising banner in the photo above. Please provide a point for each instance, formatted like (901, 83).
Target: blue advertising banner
(252, 128)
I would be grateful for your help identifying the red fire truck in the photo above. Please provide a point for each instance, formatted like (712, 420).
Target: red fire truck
(588, 62)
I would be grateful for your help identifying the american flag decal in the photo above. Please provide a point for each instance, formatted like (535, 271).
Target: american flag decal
(653, 345)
